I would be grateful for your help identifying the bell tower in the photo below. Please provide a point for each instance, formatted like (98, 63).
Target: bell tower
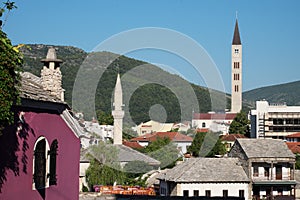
(236, 71)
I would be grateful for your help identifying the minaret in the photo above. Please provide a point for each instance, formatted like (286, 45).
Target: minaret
(118, 112)
(51, 78)
(236, 71)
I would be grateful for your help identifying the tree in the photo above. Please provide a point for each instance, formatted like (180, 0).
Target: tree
(10, 66)
(163, 150)
(207, 145)
(194, 149)
(103, 169)
(104, 118)
(134, 171)
(240, 124)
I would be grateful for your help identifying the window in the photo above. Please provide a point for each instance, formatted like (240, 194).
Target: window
(266, 171)
(225, 193)
(39, 176)
(185, 193)
(236, 65)
(236, 76)
(203, 125)
(255, 171)
(196, 193)
(207, 193)
(53, 155)
(236, 50)
(44, 164)
(236, 88)
(241, 193)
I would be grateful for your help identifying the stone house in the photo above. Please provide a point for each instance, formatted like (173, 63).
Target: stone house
(270, 166)
(205, 177)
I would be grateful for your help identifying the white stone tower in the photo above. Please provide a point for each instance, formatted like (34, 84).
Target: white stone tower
(51, 78)
(118, 112)
(236, 71)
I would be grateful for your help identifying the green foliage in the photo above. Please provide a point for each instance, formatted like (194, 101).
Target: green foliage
(194, 149)
(141, 100)
(104, 118)
(163, 150)
(207, 145)
(134, 171)
(103, 169)
(10, 66)
(240, 124)
(288, 92)
(84, 188)
(297, 165)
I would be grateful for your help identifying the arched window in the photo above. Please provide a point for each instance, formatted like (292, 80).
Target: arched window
(39, 175)
(52, 166)
(203, 125)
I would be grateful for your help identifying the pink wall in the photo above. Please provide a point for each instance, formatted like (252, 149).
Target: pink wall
(52, 127)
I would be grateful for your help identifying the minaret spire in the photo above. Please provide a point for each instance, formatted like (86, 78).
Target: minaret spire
(118, 112)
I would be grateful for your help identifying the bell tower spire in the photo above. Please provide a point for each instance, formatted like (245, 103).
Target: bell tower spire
(236, 71)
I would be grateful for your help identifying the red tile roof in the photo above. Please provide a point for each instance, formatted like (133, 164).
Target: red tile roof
(295, 135)
(294, 146)
(134, 145)
(202, 130)
(232, 137)
(214, 116)
(173, 136)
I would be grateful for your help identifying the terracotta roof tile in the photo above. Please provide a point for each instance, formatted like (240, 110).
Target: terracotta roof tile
(294, 146)
(173, 136)
(214, 116)
(232, 137)
(295, 135)
(134, 145)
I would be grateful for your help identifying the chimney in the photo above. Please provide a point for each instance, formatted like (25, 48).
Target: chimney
(51, 77)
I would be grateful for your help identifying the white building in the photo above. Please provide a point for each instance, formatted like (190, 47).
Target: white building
(153, 126)
(205, 177)
(274, 120)
(216, 122)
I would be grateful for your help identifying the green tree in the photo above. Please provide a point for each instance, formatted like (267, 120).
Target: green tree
(297, 161)
(194, 149)
(104, 168)
(10, 66)
(240, 124)
(134, 171)
(104, 118)
(163, 150)
(207, 145)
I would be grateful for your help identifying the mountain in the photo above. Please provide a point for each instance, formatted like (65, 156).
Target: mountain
(168, 97)
(288, 92)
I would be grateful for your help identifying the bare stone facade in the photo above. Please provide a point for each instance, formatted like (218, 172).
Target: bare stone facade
(51, 77)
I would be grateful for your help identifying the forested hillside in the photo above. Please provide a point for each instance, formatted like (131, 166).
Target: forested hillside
(141, 100)
(288, 92)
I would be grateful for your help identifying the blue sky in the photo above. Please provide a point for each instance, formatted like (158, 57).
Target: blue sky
(269, 31)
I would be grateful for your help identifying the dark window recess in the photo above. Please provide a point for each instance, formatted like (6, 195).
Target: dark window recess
(39, 175)
(207, 193)
(185, 193)
(241, 193)
(196, 193)
(53, 155)
(225, 193)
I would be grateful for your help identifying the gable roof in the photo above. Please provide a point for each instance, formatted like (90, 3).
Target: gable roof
(131, 144)
(206, 170)
(295, 135)
(127, 154)
(31, 88)
(173, 136)
(294, 146)
(214, 116)
(265, 148)
(232, 137)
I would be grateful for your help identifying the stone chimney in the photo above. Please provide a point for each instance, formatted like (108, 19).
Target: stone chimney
(51, 77)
